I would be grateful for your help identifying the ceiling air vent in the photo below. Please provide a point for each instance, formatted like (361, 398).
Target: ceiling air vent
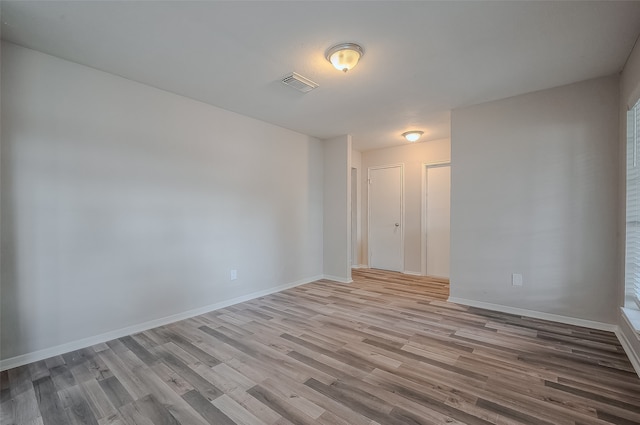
(299, 82)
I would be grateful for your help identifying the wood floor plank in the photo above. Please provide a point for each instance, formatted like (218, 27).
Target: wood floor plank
(49, 403)
(176, 382)
(115, 392)
(62, 377)
(280, 406)
(327, 403)
(97, 399)
(150, 408)
(7, 413)
(117, 365)
(207, 410)
(19, 380)
(132, 415)
(294, 397)
(38, 370)
(35, 421)
(226, 377)
(253, 406)
(387, 349)
(511, 413)
(205, 387)
(355, 399)
(164, 394)
(192, 349)
(76, 406)
(236, 412)
(137, 349)
(25, 406)
(114, 419)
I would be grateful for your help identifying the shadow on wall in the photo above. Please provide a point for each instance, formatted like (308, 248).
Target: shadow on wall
(11, 326)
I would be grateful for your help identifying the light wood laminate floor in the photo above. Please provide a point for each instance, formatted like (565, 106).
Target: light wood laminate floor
(386, 349)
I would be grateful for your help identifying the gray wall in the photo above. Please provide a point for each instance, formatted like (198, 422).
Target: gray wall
(337, 208)
(122, 203)
(534, 191)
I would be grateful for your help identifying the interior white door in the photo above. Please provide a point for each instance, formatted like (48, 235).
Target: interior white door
(438, 219)
(385, 218)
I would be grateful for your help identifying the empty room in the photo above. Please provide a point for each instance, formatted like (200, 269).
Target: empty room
(319, 212)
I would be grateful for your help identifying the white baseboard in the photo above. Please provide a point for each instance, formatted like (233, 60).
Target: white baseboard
(634, 357)
(336, 278)
(536, 314)
(437, 277)
(35, 356)
(412, 273)
(359, 266)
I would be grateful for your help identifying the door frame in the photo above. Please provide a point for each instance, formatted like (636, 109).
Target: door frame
(355, 218)
(423, 215)
(402, 220)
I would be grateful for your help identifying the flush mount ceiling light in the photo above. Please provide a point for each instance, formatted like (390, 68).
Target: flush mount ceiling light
(344, 56)
(412, 136)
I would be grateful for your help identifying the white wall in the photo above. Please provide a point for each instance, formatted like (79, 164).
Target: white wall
(436, 229)
(337, 208)
(534, 184)
(412, 155)
(356, 163)
(122, 203)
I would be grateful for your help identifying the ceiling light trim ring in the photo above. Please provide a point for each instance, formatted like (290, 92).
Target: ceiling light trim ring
(412, 136)
(345, 47)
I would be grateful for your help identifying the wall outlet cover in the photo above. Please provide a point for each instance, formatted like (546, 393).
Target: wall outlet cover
(516, 279)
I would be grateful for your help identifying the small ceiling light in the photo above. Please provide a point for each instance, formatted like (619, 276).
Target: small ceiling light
(412, 136)
(345, 56)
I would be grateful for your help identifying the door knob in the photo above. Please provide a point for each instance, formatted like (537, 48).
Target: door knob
(397, 224)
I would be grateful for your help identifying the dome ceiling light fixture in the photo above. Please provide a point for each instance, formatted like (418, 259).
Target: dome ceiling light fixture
(412, 136)
(344, 56)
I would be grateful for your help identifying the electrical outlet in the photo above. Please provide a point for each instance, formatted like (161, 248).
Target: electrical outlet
(516, 279)
(234, 274)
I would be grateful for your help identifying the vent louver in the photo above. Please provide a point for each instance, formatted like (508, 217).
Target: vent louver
(299, 82)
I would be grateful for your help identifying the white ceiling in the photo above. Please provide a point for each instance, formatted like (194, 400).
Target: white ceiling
(421, 60)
